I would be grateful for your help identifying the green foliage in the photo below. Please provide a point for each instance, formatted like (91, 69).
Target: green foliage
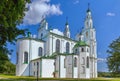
(113, 59)
(104, 74)
(5, 65)
(11, 15)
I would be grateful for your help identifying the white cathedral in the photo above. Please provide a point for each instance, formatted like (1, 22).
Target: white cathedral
(53, 54)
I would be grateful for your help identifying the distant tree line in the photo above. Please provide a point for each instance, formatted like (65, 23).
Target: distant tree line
(104, 74)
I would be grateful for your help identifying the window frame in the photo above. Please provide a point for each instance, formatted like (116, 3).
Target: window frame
(25, 59)
(67, 47)
(75, 61)
(87, 60)
(58, 45)
(40, 51)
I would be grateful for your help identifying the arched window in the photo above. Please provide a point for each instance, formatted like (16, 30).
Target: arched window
(76, 51)
(17, 58)
(40, 51)
(87, 62)
(67, 47)
(82, 49)
(57, 45)
(41, 35)
(83, 60)
(25, 57)
(75, 62)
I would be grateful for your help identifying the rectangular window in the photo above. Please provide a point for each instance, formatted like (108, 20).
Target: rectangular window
(25, 57)
(40, 51)
(65, 63)
(17, 58)
(75, 62)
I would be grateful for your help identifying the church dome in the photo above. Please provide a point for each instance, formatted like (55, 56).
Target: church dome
(80, 43)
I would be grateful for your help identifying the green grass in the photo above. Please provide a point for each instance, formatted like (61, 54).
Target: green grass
(16, 78)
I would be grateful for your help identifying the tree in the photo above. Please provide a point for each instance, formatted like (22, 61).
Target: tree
(11, 15)
(5, 65)
(113, 59)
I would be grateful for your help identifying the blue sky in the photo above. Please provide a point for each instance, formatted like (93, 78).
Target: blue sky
(105, 14)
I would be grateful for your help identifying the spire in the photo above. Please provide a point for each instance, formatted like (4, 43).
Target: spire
(88, 20)
(67, 31)
(66, 21)
(88, 10)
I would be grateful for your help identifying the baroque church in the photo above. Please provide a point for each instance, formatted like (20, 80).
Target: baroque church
(53, 54)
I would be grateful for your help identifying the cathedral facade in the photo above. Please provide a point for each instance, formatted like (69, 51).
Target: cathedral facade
(54, 54)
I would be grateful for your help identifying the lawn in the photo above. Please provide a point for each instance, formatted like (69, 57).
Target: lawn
(16, 78)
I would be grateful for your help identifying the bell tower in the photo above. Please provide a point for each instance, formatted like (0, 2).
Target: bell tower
(89, 34)
(88, 20)
(42, 30)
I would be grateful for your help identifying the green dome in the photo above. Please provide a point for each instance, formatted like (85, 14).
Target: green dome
(88, 10)
(80, 43)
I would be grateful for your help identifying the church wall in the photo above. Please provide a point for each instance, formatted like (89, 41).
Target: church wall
(52, 44)
(17, 59)
(96, 69)
(93, 34)
(63, 46)
(69, 66)
(36, 66)
(21, 67)
(88, 69)
(34, 49)
(31, 47)
(83, 71)
(57, 67)
(47, 46)
(62, 67)
(47, 68)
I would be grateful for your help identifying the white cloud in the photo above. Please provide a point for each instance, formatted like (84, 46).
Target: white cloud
(102, 59)
(110, 14)
(76, 2)
(38, 9)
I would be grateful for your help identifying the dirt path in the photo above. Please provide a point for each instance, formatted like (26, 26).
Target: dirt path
(2, 77)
